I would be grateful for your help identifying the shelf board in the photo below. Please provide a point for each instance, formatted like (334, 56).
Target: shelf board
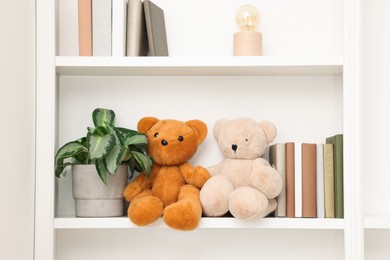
(206, 223)
(198, 66)
(377, 222)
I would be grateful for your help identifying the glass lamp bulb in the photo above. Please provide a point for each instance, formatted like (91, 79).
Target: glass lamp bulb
(248, 18)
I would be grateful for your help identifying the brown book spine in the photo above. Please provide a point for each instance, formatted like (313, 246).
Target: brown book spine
(290, 180)
(309, 199)
(85, 27)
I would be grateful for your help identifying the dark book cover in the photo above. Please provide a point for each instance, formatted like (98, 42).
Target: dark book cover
(155, 28)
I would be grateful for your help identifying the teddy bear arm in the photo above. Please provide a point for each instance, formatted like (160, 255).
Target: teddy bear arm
(140, 184)
(215, 169)
(196, 176)
(266, 179)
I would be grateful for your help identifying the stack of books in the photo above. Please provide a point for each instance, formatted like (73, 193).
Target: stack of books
(313, 178)
(121, 28)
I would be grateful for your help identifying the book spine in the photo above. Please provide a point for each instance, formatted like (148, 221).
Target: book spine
(137, 44)
(337, 142)
(119, 20)
(320, 181)
(329, 181)
(298, 180)
(85, 27)
(101, 27)
(277, 154)
(290, 180)
(155, 28)
(309, 208)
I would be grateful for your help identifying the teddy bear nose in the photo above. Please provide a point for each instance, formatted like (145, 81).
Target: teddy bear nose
(234, 147)
(164, 142)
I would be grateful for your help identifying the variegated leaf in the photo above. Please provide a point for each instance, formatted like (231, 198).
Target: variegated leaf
(100, 116)
(99, 146)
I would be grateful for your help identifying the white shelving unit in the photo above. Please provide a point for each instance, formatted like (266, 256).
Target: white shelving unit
(184, 66)
(331, 80)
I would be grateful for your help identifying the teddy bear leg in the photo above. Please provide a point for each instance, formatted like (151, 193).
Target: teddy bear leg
(214, 196)
(184, 214)
(248, 203)
(145, 208)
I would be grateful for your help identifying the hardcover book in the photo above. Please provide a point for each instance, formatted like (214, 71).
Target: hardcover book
(298, 180)
(290, 180)
(85, 27)
(337, 142)
(155, 28)
(137, 42)
(329, 181)
(277, 153)
(101, 27)
(320, 181)
(119, 20)
(309, 203)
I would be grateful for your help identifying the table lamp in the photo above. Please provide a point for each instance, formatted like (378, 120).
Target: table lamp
(247, 42)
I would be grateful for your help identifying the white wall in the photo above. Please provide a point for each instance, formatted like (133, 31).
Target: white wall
(376, 123)
(17, 128)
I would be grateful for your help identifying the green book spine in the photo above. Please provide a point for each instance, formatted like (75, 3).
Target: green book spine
(337, 142)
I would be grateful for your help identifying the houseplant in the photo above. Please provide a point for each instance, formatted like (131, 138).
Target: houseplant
(106, 149)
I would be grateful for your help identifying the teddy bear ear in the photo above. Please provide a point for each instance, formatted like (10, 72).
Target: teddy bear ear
(200, 128)
(146, 123)
(269, 130)
(217, 126)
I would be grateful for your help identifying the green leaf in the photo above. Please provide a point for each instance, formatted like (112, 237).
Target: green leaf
(115, 132)
(101, 170)
(114, 158)
(144, 161)
(138, 139)
(100, 130)
(100, 116)
(99, 146)
(60, 168)
(125, 131)
(69, 150)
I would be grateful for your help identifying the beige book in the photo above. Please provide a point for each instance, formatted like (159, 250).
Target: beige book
(290, 180)
(277, 153)
(329, 181)
(137, 42)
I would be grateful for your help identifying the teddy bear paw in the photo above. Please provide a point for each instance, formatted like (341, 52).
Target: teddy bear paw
(183, 215)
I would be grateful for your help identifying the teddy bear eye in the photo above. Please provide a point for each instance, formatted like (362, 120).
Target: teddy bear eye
(155, 135)
(246, 140)
(180, 138)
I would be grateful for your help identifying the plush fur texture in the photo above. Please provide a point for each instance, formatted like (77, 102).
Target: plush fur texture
(172, 190)
(243, 183)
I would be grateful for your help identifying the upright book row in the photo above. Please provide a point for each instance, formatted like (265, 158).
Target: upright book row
(121, 28)
(313, 178)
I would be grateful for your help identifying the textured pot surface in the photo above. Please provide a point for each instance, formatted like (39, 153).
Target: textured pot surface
(93, 197)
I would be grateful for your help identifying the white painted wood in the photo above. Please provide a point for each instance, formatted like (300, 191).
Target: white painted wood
(353, 236)
(45, 130)
(312, 58)
(377, 222)
(218, 66)
(206, 223)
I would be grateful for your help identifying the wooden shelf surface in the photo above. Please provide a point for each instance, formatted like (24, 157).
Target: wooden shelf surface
(198, 66)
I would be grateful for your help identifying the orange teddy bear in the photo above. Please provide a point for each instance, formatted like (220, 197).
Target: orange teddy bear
(172, 190)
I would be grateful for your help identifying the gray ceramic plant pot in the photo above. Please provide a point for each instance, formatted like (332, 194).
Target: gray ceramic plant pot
(93, 197)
